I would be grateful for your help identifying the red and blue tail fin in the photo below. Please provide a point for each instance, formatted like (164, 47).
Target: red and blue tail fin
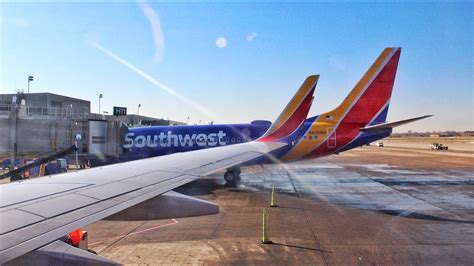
(368, 101)
(294, 113)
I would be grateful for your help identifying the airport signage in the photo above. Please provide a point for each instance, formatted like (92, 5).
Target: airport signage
(120, 111)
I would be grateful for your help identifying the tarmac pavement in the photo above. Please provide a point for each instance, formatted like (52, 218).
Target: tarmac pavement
(366, 206)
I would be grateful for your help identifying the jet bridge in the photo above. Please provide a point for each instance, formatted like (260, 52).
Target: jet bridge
(99, 139)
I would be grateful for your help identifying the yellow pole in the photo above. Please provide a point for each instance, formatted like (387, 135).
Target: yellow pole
(272, 202)
(42, 170)
(265, 239)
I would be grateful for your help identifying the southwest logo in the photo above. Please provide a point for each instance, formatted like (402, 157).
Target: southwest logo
(174, 140)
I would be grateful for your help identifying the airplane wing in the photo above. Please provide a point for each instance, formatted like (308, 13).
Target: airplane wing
(37, 212)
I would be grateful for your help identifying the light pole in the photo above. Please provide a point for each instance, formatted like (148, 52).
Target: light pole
(139, 105)
(100, 97)
(30, 78)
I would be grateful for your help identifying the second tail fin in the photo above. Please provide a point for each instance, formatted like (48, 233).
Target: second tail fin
(294, 113)
(368, 101)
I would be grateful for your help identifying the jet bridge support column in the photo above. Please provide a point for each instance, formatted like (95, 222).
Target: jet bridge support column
(13, 135)
(116, 131)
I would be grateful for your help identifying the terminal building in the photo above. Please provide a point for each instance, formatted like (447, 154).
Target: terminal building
(40, 123)
(48, 104)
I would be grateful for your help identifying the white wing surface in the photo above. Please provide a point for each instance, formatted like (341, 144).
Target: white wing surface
(36, 212)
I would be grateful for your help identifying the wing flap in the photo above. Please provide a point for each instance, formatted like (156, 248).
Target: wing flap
(107, 191)
(23, 192)
(151, 178)
(58, 205)
(13, 219)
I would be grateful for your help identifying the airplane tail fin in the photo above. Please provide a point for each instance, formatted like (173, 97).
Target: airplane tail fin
(295, 112)
(368, 102)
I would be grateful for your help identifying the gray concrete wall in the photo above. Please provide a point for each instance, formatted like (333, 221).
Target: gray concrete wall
(4, 136)
(36, 135)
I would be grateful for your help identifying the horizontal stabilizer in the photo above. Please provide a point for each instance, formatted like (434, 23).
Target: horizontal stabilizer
(393, 124)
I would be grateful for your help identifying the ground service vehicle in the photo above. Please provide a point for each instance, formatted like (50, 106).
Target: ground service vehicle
(438, 146)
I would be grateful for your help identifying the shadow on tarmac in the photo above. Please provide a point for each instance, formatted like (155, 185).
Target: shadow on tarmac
(421, 216)
(201, 187)
(300, 247)
(425, 183)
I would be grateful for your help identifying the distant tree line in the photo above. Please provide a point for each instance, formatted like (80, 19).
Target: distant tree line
(448, 133)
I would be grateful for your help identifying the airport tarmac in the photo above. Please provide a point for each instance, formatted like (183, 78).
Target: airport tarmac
(366, 206)
(457, 144)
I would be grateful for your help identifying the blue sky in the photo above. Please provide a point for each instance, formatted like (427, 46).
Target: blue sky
(166, 57)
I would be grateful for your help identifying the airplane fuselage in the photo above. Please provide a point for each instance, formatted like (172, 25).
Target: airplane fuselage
(145, 142)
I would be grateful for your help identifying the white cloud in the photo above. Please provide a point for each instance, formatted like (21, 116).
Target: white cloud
(221, 42)
(155, 28)
(251, 36)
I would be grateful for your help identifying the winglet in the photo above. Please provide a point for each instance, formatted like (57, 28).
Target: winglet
(294, 113)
